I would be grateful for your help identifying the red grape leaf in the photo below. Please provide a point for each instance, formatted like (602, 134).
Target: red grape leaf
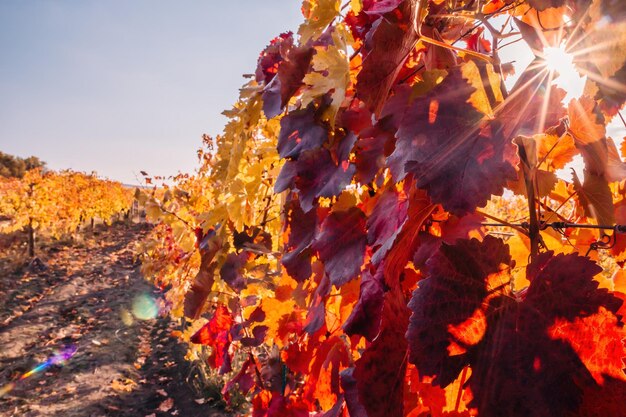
(379, 7)
(454, 289)
(275, 404)
(388, 44)
(289, 64)
(316, 317)
(328, 358)
(231, 270)
(271, 56)
(216, 334)
(506, 379)
(298, 252)
(301, 130)
(366, 315)
(442, 142)
(316, 174)
(380, 370)
(388, 215)
(245, 379)
(351, 393)
(599, 342)
(369, 152)
(399, 249)
(605, 400)
(340, 243)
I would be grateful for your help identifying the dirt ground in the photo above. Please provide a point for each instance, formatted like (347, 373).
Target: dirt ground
(82, 300)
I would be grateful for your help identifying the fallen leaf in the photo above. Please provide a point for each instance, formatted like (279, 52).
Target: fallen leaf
(166, 405)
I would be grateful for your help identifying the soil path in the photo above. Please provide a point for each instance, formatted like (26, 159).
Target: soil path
(82, 301)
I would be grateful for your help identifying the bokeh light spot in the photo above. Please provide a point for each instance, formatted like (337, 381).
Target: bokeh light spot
(144, 307)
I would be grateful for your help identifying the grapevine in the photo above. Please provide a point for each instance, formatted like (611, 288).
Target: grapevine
(340, 236)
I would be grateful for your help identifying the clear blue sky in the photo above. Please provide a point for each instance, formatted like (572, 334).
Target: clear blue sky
(121, 86)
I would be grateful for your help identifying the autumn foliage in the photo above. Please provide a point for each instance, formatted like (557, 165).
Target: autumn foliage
(336, 253)
(56, 204)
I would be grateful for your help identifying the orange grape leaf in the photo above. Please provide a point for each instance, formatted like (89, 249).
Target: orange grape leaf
(555, 150)
(599, 342)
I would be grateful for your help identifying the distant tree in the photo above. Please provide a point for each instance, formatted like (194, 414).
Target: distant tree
(15, 167)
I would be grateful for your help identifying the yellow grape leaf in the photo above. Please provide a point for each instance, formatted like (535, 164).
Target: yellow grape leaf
(356, 6)
(318, 15)
(332, 74)
(477, 75)
(547, 21)
(562, 191)
(582, 239)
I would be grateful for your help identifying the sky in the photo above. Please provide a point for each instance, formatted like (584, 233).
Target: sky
(122, 86)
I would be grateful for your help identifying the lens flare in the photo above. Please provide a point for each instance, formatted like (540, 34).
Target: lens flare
(58, 358)
(144, 307)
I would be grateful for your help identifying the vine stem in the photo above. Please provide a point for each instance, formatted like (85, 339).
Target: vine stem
(501, 222)
(529, 178)
(460, 392)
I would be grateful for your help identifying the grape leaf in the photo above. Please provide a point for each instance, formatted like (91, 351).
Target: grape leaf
(595, 197)
(505, 379)
(301, 130)
(351, 393)
(380, 370)
(195, 298)
(244, 380)
(369, 152)
(271, 56)
(316, 174)
(298, 252)
(599, 342)
(292, 67)
(366, 315)
(216, 334)
(340, 243)
(388, 215)
(331, 75)
(441, 142)
(533, 104)
(388, 44)
(231, 270)
(318, 15)
(449, 296)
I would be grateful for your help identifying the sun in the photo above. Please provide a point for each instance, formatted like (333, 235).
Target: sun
(560, 65)
(558, 59)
